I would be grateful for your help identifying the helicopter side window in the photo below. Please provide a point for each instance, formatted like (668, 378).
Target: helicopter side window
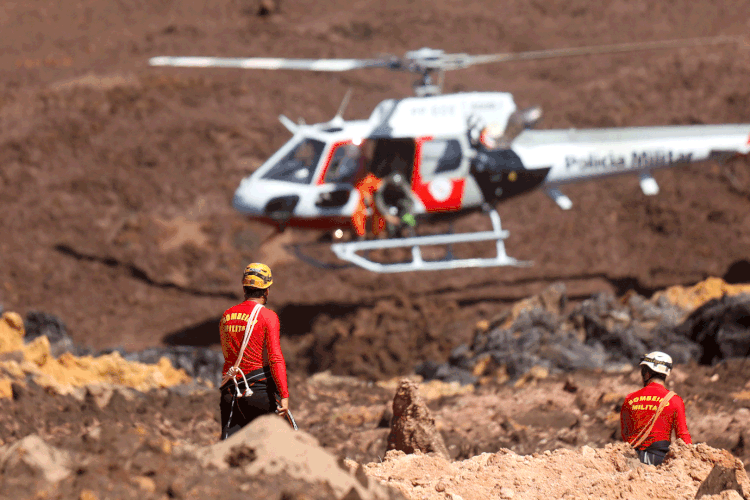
(299, 164)
(345, 165)
(440, 156)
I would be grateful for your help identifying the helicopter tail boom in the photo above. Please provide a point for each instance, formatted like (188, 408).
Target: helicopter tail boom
(584, 154)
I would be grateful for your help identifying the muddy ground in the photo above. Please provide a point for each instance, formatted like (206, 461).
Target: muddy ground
(116, 181)
(134, 445)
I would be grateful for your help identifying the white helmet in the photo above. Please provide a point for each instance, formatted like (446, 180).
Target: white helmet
(658, 362)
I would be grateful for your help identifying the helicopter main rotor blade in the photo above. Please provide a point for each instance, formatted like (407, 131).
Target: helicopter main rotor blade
(601, 49)
(267, 63)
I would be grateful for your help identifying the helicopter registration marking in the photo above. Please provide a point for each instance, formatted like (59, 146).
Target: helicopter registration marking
(642, 160)
(443, 110)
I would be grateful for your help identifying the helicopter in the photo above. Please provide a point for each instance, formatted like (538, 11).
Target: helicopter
(448, 155)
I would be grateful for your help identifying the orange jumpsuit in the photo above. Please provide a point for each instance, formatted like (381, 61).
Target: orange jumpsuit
(367, 187)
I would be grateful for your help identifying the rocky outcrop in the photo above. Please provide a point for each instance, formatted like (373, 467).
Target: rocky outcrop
(412, 427)
(720, 479)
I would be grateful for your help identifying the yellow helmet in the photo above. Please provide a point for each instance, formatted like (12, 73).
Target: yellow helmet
(257, 275)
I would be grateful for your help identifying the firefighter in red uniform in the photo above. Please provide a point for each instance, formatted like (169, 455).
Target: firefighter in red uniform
(254, 375)
(649, 416)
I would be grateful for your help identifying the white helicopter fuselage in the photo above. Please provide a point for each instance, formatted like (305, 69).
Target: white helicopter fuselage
(308, 183)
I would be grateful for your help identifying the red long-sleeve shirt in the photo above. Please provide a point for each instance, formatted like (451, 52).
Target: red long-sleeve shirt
(264, 347)
(639, 408)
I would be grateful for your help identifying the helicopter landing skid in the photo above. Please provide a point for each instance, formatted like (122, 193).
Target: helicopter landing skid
(348, 251)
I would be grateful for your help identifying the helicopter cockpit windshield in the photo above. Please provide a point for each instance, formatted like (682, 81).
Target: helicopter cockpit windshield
(298, 164)
(346, 165)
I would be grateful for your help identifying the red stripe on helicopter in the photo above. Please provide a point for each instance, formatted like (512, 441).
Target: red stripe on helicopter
(329, 157)
(422, 189)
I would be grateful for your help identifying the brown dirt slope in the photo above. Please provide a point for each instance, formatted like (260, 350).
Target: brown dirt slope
(116, 178)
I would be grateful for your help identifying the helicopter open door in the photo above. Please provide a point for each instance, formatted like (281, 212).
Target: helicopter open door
(391, 156)
(437, 169)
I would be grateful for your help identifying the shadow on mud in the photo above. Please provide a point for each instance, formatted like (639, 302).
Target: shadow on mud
(204, 334)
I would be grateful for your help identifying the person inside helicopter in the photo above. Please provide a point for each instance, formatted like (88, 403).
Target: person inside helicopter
(393, 162)
(496, 166)
(494, 136)
(393, 200)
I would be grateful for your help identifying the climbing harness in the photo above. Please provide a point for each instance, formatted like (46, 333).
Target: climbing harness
(238, 393)
(235, 369)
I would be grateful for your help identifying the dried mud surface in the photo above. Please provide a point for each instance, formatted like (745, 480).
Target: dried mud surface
(134, 445)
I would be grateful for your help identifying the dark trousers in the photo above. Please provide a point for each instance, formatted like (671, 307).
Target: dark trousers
(654, 454)
(238, 411)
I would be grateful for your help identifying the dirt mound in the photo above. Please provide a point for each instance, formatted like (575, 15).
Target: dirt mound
(269, 447)
(264, 460)
(607, 473)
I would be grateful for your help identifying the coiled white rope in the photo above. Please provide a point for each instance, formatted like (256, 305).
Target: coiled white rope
(235, 369)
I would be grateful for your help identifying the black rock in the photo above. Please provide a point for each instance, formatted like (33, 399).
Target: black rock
(721, 327)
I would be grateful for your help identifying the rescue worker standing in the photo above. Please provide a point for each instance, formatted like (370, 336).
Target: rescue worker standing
(254, 375)
(367, 187)
(649, 415)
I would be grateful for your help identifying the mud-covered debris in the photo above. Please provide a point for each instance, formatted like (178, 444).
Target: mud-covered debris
(721, 478)
(412, 426)
(607, 473)
(38, 323)
(41, 324)
(601, 333)
(197, 362)
(67, 374)
(11, 332)
(692, 297)
(721, 327)
(32, 454)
